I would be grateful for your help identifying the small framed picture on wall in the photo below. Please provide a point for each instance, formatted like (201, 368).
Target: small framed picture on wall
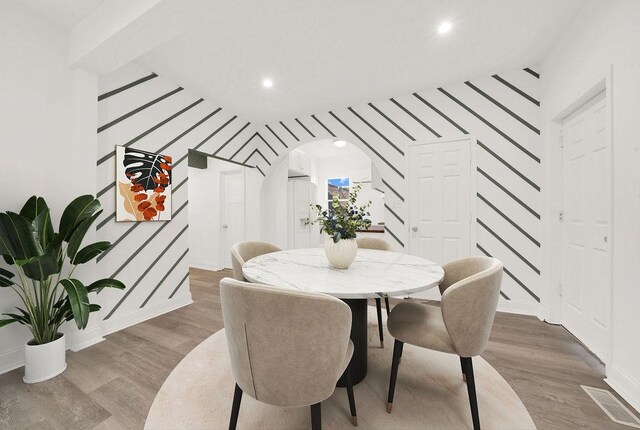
(143, 185)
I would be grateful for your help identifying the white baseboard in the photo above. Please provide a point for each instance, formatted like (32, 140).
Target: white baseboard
(205, 266)
(512, 307)
(625, 385)
(11, 359)
(84, 338)
(112, 325)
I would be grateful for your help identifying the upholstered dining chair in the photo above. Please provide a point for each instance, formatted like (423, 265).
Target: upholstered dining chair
(382, 245)
(461, 325)
(241, 252)
(290, 352)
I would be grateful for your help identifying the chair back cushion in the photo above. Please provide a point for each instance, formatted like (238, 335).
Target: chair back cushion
(373, 243)
(287, 347)
(243, 251)
(469, 304)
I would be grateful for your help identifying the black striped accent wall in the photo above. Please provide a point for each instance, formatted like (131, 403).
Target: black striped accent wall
(140, 109)
(501, 111)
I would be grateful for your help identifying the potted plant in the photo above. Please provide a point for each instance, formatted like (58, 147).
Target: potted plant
(341, 221)
(38, 256)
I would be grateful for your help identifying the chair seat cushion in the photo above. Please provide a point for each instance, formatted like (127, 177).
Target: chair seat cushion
(421, 325)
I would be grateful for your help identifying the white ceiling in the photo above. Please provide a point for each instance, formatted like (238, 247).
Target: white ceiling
(326, 149)
(63, 13)
(331, 54)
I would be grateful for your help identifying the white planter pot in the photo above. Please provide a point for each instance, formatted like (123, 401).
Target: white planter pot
(341, 254)
(42, 362)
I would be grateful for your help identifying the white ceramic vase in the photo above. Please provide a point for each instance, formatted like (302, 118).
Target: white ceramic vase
(341, 254)
(42, 362)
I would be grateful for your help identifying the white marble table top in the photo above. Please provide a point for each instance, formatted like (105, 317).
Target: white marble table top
(372, 273)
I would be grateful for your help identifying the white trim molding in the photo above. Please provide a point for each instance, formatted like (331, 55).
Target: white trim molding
(623, 384)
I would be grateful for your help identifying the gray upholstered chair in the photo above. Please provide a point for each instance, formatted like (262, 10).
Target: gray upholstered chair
(243, 251)
(461, 325)
(288, 348)
(382, 245)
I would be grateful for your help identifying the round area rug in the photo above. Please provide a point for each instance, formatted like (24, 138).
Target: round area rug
(430, 394)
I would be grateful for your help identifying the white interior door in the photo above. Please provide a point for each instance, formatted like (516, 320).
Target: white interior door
(232, 208)
(586, 287)
(300, 195)
(440, 196)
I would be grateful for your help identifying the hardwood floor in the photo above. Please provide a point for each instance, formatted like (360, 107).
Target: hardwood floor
(112, 385)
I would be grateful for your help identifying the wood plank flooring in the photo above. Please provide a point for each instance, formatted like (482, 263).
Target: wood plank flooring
(112, 385)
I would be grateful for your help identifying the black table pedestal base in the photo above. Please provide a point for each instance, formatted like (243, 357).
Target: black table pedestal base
(359, 338)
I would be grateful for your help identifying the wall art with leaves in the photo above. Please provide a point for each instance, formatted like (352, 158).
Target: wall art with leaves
(143, 185)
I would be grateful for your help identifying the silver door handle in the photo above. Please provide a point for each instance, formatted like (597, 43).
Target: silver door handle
(224, 226)
(414, 229)
(606, 239)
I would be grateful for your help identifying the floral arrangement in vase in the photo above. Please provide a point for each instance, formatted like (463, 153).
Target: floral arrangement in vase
(340, 222)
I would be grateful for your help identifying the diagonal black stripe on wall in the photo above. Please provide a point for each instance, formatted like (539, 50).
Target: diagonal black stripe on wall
(393, 123)
(131, 288)
(392, 190)
(106, 220)
(258, 152)
(126, 87)
(231, 138)
(243, 145)
(516, 89)
(277, 137)
(509, 220)
(376, 131)
(393, 235)
(231, 161)
(146, 242)
(489, 255)
(511, 275)
(150, 130)
(216, 131)
(290, 132)
(260, 170)
(266, 143)
(323, 126)
(491, 126)
(394, 213)
(509, 193)
(503, 107)
(439, 112)
(508, 165)
(509, 247)
(532, 72)
(164, 278)
(415, 118)
(179, 285)
(138, 110)
(387, 162)
(305, 128)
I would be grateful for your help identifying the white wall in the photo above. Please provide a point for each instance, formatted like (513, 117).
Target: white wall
(607, 35)
(273, 204)
(47, 138)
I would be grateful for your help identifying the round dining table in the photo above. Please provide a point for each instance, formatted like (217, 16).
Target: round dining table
(373, 274)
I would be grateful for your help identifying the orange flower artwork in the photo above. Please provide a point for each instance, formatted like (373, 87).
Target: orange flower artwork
(143, 185)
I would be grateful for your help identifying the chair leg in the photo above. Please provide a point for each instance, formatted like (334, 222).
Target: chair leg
(471, 389)
(352, 400)
(379, 311)
(464, 376)
(386, 303)
(397, 352)
(235, 409)
(316, 417)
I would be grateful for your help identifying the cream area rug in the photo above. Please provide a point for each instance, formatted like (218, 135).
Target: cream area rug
(430, 394)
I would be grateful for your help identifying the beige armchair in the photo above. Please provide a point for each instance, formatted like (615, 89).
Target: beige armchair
(382, 245)
(243, 251)
(462, 324)
(287, 348)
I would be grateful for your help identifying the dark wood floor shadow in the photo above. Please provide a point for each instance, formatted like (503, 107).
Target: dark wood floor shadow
(112, 385)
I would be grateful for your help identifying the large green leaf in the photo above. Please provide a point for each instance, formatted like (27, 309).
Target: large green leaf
(5, 278)
(79, 209)
(18, 237)
(9, 321)
(78, 234)
(90, 252)
(33, 207)
(79, 300)
(44, 228)
(39, 268)
(105, 283)
(6, 273)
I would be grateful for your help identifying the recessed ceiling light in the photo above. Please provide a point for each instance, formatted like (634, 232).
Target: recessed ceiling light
(339, 143)
(444, 27)
(267, 83)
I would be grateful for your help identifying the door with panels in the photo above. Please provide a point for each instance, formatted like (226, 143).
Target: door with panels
(441, 196)
(586, 273)
(232, 211)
